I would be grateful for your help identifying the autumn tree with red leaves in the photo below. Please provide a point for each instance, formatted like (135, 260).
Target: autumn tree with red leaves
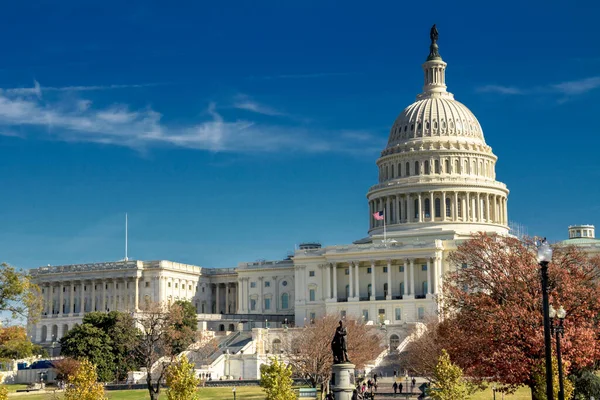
(492, 308)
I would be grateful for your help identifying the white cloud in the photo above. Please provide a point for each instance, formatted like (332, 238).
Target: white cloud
(37, 89)
(568, 88)
(499, 89)
(577, 87)
(77, 120)
(244, 102)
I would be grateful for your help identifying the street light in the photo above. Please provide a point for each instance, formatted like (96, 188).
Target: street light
(233, 391)
(406, 377)
(494, 391)
(559, 329)
(544, 257)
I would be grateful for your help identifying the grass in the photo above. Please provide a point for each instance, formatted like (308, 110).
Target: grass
(242, 393)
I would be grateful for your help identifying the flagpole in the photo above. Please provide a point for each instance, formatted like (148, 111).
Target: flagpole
(384, 231)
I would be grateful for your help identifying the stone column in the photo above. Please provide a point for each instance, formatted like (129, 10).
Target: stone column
(505, 211)
(412, 277)
(467, 210)
(406, 286)
(356, 280)
(276, 302)
(387, 210)
(93, 302)
(136, 302)
(432, 206)
(226, 298)
(409, 209)
(389, 280)
(247, 296)
(373, 291)
(72, 299)
(217, 308)
(82, 298)
(350, 282)
(420, 215)
(443, 207)
(240, 306)
(104, 285)
(334, 291)
(61, 298)
(455, 208)
(113, 303)
(262, 299)
(327, 272)
(49, 299)
(429, 281)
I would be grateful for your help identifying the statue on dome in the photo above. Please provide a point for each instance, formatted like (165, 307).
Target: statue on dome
(339, 347)
(433, 34)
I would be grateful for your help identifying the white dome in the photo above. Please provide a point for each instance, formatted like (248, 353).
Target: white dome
(435, 117)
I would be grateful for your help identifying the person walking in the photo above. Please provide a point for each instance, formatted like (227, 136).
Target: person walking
(400, 388)
(395, 386)
(414, 382)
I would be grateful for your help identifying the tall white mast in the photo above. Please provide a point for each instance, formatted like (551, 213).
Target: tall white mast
(126, 259)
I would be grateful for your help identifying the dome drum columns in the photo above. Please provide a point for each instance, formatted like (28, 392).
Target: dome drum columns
(439, 206)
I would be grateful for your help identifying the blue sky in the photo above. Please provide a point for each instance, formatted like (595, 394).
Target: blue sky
(230, 131)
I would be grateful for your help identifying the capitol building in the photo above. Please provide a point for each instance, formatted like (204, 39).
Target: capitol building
(436, 186)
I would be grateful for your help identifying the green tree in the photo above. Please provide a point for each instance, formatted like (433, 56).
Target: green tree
(83, 385)
(19, 296)
(88, 342)
(108, 340)
(538, 391)
(185, 326)
(448, 382)
(124, 337)
(276, 380)
(587, 384)
(182, 380)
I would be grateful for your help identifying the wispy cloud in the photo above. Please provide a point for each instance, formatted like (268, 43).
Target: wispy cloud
(37, 89)
(567, 88)
(499, 89)
(141, 129)
(305, 76)
(244, 102)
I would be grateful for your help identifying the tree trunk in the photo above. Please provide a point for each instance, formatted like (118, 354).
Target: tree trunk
(153, 395)
(533, 396)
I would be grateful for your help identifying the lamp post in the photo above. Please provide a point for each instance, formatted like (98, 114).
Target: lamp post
(559, 329)
(544, 258)
(233, 391)
(494, 391)
(406, 377)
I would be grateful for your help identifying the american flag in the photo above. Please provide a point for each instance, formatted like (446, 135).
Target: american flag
(378, 215)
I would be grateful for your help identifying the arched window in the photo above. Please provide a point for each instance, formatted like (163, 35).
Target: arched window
(44, 333)
(447, 166)
(347, 291)
(285, 300)
(427, 125)
(399, 170)
(417, 168)
(466, 168)
(426, 167)
(435, 125)
(222, 328)
(369, 290)
(387, 171)
(276, 346)
(417, 208)
(456, 171)
(459, 207)
(437, 166)
(438, 208)
(448, 210)
(407, 169)
(427, 208)
(54, 337)
(203, 308)
(231, 328)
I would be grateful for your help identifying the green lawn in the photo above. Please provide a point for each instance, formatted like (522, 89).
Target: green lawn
(242, 393)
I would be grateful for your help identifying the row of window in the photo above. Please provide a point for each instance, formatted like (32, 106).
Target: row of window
(400, 131)
(106, 286)
(285, 300)
(268, 283)
(392, 170)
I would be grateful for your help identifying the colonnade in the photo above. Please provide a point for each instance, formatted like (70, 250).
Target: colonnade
(86, 295)
(442, 206)
(231, 302)
(389, 290)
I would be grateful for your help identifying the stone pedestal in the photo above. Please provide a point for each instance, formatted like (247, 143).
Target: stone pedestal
(342, 381)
